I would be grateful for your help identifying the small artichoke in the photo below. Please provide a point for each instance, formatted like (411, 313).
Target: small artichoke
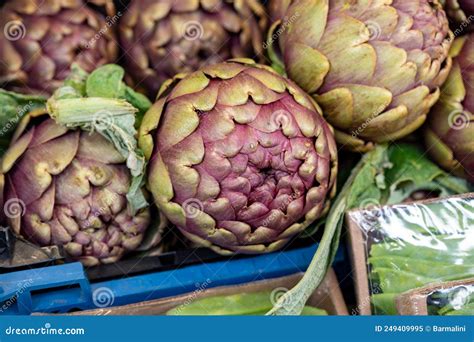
(241, 159)
(42, 38)
(449, 131)
(68, 187)
(165, 37)
(375, 67)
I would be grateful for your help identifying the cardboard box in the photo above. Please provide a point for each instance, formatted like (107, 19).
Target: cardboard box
(357, 239)
(328, 297)
(415, 303)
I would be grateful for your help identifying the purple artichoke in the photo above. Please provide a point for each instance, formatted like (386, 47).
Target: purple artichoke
(375, 67)
(241, 159)
(42, 38)
(165, 37)
(449, 132)
(69, 188)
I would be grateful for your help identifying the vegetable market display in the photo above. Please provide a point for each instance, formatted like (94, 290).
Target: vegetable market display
(218, 121)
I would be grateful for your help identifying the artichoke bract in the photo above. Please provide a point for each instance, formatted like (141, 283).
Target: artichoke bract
(165, 37)
(41, 39)
(68, 187)
(375, 67)
(241, 159)
(449, 131)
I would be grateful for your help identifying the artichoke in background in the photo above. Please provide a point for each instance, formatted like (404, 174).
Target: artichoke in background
(41, 39)
(241, 159)
(449, 131)
(162, 38)
(375, 67)
(460, 11)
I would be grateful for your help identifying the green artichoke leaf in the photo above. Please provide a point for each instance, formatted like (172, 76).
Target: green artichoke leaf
(412, 171)
(272, 46)
(97, 103)
(107, 81)
(75, 83)
(13, 107)
(384, 303)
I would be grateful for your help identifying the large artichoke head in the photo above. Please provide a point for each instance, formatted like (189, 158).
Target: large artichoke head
(165, 37)
(68, 187)
(241, 159)
(375, 67)
(41, 39)
(449, 131)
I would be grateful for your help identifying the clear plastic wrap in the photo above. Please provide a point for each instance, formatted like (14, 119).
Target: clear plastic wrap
(406, 246)
(457, 300)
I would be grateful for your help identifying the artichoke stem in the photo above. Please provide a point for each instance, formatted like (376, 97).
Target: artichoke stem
(93, 110)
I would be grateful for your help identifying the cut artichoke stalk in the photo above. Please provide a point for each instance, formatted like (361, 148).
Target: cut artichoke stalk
(77, 180)
(41, 39)
(374, 67)
(167, 37)
(449, 131)
(241, 159)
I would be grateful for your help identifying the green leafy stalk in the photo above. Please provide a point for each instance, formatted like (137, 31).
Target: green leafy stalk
(276, 62)
(13, 107)
(254, 303)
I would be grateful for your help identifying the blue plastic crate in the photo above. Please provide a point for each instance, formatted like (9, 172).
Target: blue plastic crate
(63, 288)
